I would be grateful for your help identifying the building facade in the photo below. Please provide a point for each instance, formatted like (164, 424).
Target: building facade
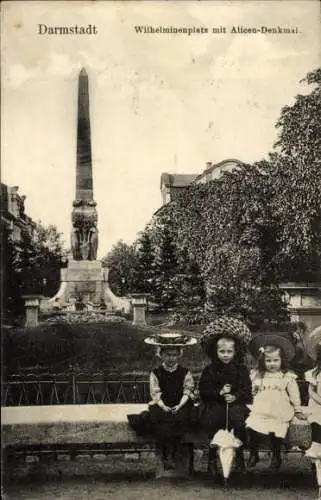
(173, 184)
(16, 228)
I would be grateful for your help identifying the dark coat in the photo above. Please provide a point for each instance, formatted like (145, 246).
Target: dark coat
(216, 375)
(214, 414)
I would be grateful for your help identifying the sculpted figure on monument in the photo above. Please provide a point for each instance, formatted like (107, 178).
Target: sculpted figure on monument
(84, 243)
(75, 243)
(93, 243)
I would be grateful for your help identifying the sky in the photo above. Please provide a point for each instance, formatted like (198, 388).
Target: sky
(158, 102)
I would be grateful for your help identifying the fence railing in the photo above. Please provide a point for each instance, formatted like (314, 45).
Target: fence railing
(79, 388)
(76, 388)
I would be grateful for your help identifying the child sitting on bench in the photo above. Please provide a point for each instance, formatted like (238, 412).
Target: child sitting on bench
(276, 396)
(172, 391)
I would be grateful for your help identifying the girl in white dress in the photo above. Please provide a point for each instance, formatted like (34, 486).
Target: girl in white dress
(276, 396)
(314, 416)
(314, 378)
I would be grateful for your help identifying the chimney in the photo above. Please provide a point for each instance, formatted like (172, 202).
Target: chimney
(208, 164)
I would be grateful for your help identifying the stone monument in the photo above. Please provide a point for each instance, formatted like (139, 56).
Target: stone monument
(84, 282)
(84, 235)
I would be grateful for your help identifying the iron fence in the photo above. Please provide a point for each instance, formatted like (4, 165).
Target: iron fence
(79, 387)
(75, 388)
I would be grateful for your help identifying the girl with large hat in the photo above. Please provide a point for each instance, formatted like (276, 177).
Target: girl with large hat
(172, 395)
(225, 385)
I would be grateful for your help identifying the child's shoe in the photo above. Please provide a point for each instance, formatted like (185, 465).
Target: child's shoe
(167, 458)
(254, 443)
(276, 453)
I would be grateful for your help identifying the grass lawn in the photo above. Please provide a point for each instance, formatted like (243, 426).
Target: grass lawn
(114, 347)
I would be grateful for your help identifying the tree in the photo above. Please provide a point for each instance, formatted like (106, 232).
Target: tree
(121, 261)
(296, 172)
(254, 227)
(165, 265)
(229, 230)
(250, 229)
(17, 259)
(33, 266)
(299, 125)
(189, 289)
(144, 263)
(47, 254)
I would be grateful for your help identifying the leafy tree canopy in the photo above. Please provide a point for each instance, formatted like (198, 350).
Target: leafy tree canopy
(121, 261)
(33, 265)
(296, 176)
(260, 224)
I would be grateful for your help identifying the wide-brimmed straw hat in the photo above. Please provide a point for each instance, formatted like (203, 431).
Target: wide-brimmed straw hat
(171, 339)
(311, 342)
(280, 340)
(224, 326)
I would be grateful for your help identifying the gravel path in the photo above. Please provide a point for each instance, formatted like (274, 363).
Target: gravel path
(295, 481)
(258, 486)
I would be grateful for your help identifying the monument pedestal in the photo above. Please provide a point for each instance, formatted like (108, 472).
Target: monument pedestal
(32, 305)
(81, 281)
(139, 308)
(84, 279)
(86, 282)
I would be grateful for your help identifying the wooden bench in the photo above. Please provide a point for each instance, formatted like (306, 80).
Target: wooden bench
(77, 428)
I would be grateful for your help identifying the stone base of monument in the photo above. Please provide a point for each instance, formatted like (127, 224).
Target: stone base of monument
(84, 281)
(84, 286)
(81, 283)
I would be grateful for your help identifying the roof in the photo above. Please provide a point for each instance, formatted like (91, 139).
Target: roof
(237, 163)
(177, 180)
(214, 166)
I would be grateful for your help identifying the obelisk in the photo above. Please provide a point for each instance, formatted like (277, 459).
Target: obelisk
(84, 235)
(84, 178)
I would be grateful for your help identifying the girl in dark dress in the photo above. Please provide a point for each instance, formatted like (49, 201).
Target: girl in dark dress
(172, 395)
(226, 381)
(172, 391)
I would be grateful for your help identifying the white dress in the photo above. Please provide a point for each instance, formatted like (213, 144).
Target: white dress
(276, 399)
(314, 413)
(314, 452)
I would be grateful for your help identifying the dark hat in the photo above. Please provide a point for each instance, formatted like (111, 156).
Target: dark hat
(171, 339)
(224, 326)
(280, 340)
(311, 342)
